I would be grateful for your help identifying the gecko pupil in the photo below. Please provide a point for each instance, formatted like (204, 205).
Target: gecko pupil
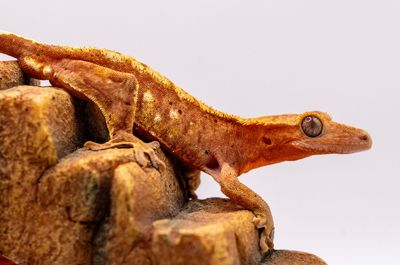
(312, 126)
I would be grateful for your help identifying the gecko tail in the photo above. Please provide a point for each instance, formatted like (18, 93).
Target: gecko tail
(16, 46)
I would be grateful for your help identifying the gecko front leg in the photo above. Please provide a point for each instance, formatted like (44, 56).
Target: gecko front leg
(241, 194)
(113, 92)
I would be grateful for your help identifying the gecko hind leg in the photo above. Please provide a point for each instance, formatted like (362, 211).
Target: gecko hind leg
(113, 92)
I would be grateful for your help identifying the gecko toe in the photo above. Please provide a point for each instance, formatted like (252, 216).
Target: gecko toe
(156, 161)
(267, 233)
(145, 155)
(259, 222)
(263, 243)
(141, 157)
(154, 145)
(266, 241)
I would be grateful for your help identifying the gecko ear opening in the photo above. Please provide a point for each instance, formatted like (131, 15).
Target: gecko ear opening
(266, 140)
(312, 126)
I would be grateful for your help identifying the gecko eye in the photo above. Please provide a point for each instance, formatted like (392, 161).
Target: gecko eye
(312, 126)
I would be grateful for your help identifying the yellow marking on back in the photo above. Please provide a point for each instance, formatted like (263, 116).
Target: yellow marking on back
(182, 94)
(113, 56)
(148, 97)
(157, 117)
(173, 114)
(3, 32)
(47, 70)
(33, 63)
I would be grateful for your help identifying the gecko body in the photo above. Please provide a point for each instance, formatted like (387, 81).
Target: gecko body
(132, 96)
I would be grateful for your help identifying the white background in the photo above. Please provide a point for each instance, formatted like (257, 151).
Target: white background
(254, 58)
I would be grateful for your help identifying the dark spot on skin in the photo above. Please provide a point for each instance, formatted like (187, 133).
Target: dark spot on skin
(206, 152)
(212, 164)
(170, 103)
(179, 111)
(215, 120)
(267, 140)
(53, 97)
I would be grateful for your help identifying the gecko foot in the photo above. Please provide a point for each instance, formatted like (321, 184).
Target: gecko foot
(267, 234)
(144, 152)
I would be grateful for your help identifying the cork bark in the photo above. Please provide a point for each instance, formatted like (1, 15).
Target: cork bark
(63, 204)
(11, 76)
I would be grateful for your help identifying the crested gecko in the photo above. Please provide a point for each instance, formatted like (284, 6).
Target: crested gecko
(132, 97)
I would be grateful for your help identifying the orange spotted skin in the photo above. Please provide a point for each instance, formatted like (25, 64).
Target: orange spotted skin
(132, 96)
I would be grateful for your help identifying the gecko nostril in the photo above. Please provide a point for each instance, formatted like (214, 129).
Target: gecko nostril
(364, 137)
(266, 140)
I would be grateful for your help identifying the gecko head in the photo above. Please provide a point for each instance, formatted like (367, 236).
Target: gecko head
(295, 136)
(319, 134)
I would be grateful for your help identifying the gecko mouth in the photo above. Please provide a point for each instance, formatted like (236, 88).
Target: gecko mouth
(333, 149)
(336, 145)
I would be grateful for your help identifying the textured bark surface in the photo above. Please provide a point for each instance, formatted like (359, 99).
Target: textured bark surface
(213, 231)
(104, 204)
(34, 133)
(63, 204)
(11, 76)
(289, 257)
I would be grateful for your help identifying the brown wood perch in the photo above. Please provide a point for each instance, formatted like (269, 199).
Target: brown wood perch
(63, 204)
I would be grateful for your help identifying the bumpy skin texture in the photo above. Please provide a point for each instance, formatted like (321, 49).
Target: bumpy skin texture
(132, 95)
